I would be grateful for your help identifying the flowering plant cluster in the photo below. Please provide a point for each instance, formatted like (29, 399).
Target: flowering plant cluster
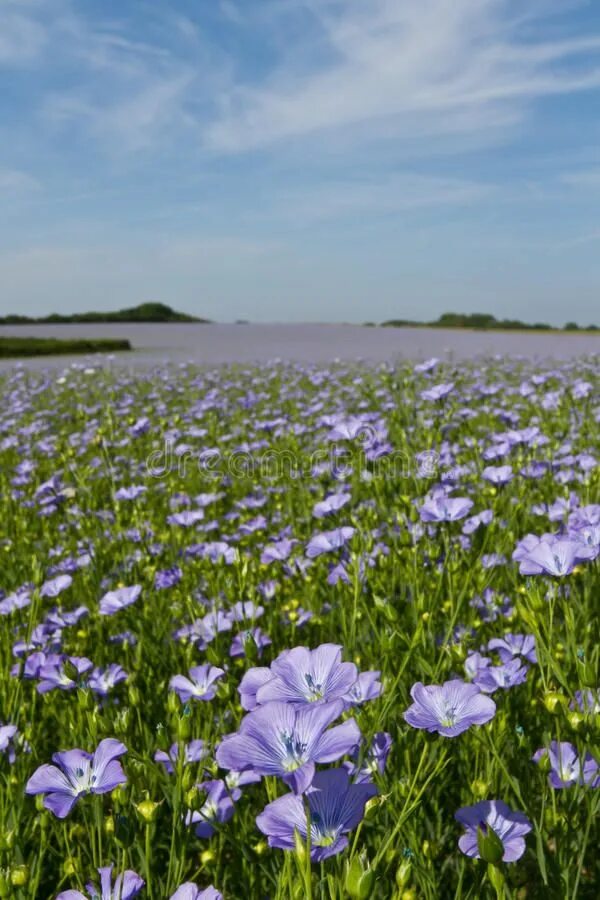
(364, 682)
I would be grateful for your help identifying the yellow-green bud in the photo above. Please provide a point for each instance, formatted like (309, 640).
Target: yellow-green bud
(403, 873)
(553, 701)
(491, 848)
(19, 876)
(360, 879)
(147, 810)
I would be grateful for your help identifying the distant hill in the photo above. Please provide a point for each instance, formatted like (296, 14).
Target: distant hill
(145, 312)
(483, 322)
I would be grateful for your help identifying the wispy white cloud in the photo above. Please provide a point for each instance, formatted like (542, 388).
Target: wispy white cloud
(583, 178)
(22, 35)
(14, 181)
(392, 61)
(381, 196)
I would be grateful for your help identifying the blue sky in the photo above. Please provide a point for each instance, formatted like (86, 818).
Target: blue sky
(301, 160)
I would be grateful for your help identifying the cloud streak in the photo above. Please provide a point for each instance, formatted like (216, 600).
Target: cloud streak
(461, 60)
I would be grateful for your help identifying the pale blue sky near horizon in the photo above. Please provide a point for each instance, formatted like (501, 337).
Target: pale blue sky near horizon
(301, 160)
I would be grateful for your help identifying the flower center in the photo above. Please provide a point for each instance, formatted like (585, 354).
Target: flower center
(294, 752)
(315, 690)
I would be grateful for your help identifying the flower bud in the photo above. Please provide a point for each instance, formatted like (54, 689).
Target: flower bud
(147, 810)
(360, 879)
(70, 867)
(575, 719)
(19, 876)
(403, 873)
(479, 788)
(207, 857)
(299, 846)
(173, 703)
(553, 701)
(491, 848)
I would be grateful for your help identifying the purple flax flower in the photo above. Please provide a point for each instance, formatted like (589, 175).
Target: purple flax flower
(190, 891)
(126, 887)
(552, 555)
(244, 610)
(514, 645)
(374, 761)
(335, 805)
(474, 663)
(77, 773)
(587, 701)
(280, 739)
(193, 752)
(19, 600)
(510, 826)
(277, 552)
(438, 391)
(491, 605)
(130, 493)
(114, 601)
(441, 508)
(216, 809)
(327, 541)
(64, 675)
(102, 681)
(330, 504)
(56, 586)
(506, 676)
(366, 687)
(483, 518)
(566, 769)
(187, 518)
(450, 708)
(7, 736)
(253, 679)
(167, 578)
(201, 685)
(498, 474)
(253, 639)
(307, 676)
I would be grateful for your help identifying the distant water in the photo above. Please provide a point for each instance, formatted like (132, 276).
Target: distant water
(214, 344)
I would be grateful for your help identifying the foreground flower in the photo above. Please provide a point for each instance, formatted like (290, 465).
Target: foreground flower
(309, 676)
(493, 815)
(114, 601)
(566, 768)
(201, 685)
(126, 887)
(281, 739)
(551, 555)
(327, 541)
(441, 508)
(450, 708)
(505, 676)
(335, 805)
(190, 891)
(77, 773)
